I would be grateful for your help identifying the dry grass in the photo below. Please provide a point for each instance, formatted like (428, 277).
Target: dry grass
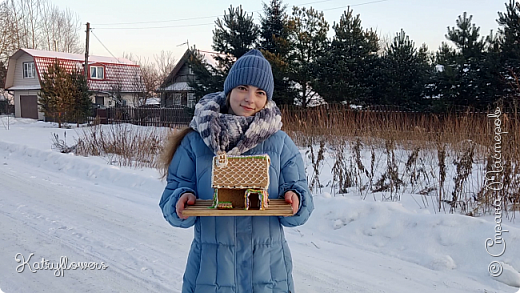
(444, 157)
(122, 144)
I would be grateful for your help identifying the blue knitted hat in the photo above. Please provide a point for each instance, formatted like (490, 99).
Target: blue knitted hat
(251, 69)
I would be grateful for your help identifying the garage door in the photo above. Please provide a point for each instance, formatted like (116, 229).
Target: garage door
(29, 106)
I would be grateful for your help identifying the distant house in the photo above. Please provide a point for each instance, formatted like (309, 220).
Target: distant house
(111, 80)
(175, 91)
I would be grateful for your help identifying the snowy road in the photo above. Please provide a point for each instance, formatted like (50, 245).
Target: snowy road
(53, 215)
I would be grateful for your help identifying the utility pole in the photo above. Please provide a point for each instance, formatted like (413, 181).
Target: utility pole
(86, 51)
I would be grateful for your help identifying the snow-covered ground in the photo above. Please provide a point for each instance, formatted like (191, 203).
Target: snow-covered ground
(68, 209)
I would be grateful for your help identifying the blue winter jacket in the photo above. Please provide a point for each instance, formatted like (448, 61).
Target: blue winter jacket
(237, 254)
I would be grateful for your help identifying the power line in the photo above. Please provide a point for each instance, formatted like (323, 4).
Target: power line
(105, 47)
(360, 4)
(315, 2)
(159, 21)
(206, 17)
(152, 27)
(191, 18)
(372, 2)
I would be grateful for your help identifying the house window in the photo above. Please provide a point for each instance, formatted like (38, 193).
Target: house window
(191, 100)
(97, 72)
(177, 99)
(184, 99)
(29, 71)
(100, 100)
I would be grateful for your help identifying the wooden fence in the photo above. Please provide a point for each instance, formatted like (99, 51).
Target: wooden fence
(159, 117)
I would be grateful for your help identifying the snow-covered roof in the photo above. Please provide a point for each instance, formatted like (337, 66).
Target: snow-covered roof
(77, 57)
(24, 87)
(153, 101)
(178, 86)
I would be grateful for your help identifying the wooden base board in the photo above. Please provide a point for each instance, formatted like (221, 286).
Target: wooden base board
(277, 207)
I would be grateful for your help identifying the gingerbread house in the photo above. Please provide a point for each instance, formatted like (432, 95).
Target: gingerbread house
(240, 182)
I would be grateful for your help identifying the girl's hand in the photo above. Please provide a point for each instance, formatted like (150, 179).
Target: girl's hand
(186, 198)
(292, 198)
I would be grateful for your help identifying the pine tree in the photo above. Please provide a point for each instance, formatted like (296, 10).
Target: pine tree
(82, 106)
(274, 31)
(446, 54)
(406, 73)
(445, 78)
(309, 36)
(63, 96)
(206, 78)
(508, 41)
(346, 67)
(55, 97)
(275, 45)
(234, 36)
(465, 79)
(466, 37)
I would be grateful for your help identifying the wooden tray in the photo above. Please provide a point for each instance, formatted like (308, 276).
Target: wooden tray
(277, 207)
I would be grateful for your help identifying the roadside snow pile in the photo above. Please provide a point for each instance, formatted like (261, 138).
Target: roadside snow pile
(28, 140)
(440, 242)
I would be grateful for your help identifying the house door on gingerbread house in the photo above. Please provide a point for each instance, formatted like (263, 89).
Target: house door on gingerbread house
(240, 181)
(254, 199)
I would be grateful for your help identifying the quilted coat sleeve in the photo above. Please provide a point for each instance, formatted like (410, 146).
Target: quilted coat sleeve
(180, 179)
(292, 177)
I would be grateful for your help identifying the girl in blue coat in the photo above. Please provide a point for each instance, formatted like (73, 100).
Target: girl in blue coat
(236, 254)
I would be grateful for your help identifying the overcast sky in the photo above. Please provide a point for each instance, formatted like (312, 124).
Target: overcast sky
(156, 25)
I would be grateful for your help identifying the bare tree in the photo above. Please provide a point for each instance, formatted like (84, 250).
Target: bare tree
(37, 24)
(152, 73)
(165, 62)
(30, 22)
(9, 34)
(70, 36)
(149, 76)
(60, 31)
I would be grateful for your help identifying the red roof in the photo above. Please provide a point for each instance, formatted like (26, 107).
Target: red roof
(118, 72)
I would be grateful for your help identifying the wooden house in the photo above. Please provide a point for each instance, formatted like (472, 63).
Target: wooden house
(175, 91)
